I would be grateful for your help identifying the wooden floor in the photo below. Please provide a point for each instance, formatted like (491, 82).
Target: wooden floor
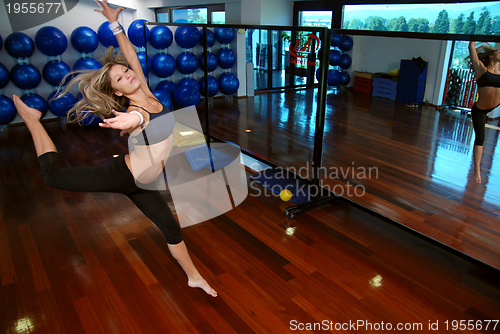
(92, 263)
(412, 165)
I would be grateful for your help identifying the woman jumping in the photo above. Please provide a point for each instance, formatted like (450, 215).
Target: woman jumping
(117, 87)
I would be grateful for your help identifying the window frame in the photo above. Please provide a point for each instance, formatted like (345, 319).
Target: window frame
(209, 8)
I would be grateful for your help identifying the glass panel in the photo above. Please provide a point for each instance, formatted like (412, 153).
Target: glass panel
(474, 18)
(218, 17)
(162, 17)
(191, 15)
(320, 18)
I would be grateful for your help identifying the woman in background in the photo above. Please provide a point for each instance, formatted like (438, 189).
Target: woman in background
(485, 61)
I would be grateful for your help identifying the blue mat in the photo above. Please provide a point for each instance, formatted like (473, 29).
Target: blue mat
(204, 156)
(278, 179)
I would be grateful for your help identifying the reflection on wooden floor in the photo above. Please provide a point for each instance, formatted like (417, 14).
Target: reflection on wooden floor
(89, 263)
(420, 160)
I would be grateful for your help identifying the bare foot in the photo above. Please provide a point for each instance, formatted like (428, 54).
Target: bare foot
(28, 114)
(201, 283)
(477, 176)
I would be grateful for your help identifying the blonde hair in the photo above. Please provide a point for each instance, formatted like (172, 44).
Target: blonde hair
(95, 86)
(484, 51)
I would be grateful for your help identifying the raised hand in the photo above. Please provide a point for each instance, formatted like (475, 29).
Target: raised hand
(125, 122)
(110, 13)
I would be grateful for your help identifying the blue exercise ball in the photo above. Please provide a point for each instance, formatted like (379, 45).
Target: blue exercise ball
(333, 78)
(187, 62)
(345, 61)
(19, 45)
(335, 57)
(213, 86)
(145, 61)
(25, 76)
(186, 96)
(212, 61)
(8, 110)
(164, 98)
(106, 36)
(161, 37)
(228, 83)
(189, 82)
(61, 105)
(167, 86)
(51, 41)
(90, 119)
(187, 36)
(226, 58)
(345, 78)
(210, 38)
(346, 43)
(54, 72)
(163, 65)
(335, 40)
(4, 76)
(84, 39)
(35, 101)
(136, 33)
(225, 35)
(84, 64)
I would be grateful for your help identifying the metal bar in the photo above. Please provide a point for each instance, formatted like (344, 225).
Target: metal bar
(321, 106)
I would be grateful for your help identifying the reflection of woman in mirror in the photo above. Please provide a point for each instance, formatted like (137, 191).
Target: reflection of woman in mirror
(485, 61)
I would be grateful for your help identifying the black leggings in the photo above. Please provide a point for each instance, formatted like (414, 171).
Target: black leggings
(479, 122)
(114, 177)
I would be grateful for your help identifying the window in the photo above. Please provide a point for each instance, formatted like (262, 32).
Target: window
(197, 14)
(191, 15)
(218, 17)
(162, 17)
(474, 18)
(309, 18)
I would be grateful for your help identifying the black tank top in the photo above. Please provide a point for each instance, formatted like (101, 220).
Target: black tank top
(489, 79)
(160, 127)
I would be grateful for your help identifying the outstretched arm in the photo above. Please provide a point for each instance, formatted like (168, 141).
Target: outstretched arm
(125, 46)
(477, 65)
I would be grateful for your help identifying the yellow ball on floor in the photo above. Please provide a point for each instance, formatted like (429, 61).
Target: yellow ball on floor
(286, 195)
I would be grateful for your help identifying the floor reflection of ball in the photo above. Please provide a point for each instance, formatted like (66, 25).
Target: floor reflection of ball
(286, 195)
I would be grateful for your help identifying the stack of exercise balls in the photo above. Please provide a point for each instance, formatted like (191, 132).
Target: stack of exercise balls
(163, 64)
(339, 59)
(25, 75)
(212, 62)
(228, 82)
(188, 92)
(7, 109)
(52, 42)
(84, 40)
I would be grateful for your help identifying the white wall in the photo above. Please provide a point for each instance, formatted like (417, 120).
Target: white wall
(383, 54)
(277, 12)
(251, 10)
(82, 15)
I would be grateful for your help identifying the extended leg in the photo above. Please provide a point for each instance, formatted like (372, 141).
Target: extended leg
(31, 117)
(153, 205)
